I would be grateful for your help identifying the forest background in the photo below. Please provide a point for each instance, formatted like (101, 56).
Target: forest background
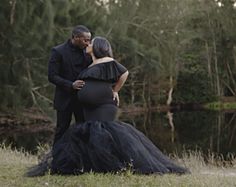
(177, 51)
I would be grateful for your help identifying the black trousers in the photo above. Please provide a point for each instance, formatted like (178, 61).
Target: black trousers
(64, 119)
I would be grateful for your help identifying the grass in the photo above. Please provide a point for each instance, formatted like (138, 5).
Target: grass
(218, 105)
(13, 165)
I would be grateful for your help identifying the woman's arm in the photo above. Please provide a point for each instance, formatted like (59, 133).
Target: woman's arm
(120, 82)
(119, 85)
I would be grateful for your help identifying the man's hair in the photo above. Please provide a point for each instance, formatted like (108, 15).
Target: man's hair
(102, 47)
(79, 30)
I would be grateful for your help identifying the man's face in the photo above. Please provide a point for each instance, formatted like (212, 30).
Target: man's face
(83, 40)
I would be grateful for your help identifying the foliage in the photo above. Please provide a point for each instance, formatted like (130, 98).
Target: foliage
(166, 45)
(221, 106)
(193, 84)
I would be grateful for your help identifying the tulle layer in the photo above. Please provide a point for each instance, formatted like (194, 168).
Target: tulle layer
(109, 147)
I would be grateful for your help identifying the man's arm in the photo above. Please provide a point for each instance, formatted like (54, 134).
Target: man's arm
(53, 72)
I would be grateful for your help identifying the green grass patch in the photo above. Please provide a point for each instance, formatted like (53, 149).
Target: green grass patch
(14, 163)
(221, 105)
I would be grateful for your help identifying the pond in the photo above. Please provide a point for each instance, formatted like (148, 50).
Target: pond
(208, 131)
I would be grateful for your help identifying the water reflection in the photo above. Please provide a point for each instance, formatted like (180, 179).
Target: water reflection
(209, 131)
(171, 132)
(27, 139)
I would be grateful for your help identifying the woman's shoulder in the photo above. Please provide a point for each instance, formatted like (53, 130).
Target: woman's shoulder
(118, 67)
(106, 71)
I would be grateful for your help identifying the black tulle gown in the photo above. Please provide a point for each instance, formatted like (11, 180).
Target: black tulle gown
(101, 143)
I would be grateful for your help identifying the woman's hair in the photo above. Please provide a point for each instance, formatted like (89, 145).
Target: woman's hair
(101, 47)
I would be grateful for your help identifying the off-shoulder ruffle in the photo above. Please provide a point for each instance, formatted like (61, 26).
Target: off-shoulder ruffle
(107, 71)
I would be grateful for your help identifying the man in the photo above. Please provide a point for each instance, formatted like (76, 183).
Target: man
(66, 62)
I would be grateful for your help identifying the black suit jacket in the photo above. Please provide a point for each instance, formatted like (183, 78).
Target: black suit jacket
(65, 63)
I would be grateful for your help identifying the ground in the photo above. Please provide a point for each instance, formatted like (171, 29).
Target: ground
(14, 163)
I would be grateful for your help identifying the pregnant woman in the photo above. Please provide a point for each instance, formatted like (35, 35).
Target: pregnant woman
(101, 143)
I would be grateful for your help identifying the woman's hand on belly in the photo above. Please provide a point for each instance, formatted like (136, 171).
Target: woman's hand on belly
(116, 97)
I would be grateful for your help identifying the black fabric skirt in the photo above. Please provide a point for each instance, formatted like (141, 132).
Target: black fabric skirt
(110, 146)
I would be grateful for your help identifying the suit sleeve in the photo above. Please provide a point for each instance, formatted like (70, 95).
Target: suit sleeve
(53, 72)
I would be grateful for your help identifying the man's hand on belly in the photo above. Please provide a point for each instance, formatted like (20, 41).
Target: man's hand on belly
(78, 84)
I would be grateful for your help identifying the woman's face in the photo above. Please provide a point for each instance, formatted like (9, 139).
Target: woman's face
(89, 48)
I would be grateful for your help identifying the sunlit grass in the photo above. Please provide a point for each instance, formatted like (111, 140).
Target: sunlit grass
(212, 171)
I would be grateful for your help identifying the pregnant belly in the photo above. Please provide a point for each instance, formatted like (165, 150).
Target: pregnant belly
(96, 93)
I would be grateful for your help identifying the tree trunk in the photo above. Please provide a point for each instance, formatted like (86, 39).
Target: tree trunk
(216, 69)
(132, 90)
(169, 99)
(209, 56)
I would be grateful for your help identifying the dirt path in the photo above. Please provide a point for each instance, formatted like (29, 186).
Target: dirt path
(222, 172)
